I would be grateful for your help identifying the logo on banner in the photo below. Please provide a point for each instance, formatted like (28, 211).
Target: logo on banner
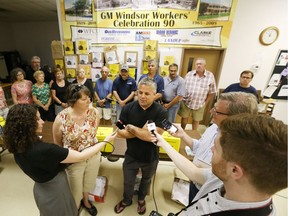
(202, 33)
(142, 35)
(87, 33)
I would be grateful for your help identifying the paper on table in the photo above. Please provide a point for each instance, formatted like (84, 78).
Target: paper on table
(269, 91)
(283, 91)
(275, 79)
(180, 191)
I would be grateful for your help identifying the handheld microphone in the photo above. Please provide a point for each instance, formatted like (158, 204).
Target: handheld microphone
(152, 127)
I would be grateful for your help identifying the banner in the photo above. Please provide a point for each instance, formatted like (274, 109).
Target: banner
(182, 23)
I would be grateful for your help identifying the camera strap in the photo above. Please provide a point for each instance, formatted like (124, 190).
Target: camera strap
(260, 211)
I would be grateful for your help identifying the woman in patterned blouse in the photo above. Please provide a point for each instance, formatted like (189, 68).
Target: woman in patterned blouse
(75, 128)
(21, 88)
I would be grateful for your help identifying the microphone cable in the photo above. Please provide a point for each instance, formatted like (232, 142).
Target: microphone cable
(153, 191)
(113, 148)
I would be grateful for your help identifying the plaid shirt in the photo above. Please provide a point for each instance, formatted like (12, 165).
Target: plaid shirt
(198, 88)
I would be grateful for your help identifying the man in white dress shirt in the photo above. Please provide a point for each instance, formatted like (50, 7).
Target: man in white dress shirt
(228, 104)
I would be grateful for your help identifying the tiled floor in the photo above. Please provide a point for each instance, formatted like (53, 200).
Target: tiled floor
(16, 196)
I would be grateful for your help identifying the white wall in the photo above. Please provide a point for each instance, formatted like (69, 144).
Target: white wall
(244, 48)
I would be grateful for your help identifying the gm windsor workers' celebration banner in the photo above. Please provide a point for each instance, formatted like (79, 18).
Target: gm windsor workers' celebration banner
(185, 23)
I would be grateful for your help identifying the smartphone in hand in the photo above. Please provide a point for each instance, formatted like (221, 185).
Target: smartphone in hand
(169, 126)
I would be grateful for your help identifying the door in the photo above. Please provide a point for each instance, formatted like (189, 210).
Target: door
(214, 58)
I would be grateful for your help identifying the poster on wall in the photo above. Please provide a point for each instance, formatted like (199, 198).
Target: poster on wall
(78, 10)
(201, 23)
(277, 87)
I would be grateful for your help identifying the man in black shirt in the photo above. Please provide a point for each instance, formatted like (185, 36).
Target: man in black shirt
(35, 66)
(141, 152)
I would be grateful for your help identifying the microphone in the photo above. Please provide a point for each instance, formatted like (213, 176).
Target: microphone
(152, 127)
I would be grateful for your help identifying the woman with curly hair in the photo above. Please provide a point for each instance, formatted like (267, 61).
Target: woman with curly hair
(21, 88)
(43, 162)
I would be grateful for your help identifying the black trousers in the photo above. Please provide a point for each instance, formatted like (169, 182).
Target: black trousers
(130, 170)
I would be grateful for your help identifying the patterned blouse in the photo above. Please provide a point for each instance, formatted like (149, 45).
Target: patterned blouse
(42, 93)
(79, 137)
(2, 98)
(23, 91)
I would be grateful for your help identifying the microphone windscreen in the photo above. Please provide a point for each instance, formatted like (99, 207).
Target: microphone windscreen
(151, 125)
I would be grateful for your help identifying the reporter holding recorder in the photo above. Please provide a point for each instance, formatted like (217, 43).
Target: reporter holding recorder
(45, 163)
(249, 165)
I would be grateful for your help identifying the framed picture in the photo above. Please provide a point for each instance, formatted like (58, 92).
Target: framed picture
(111, 57)
(70, 61)
(97, 59)
(70, 73)
(82, 46)
(277, 85)
(78, 12)
(59, 63)
(131, 58)
(69, 47)
(83, 59)
(148, 55)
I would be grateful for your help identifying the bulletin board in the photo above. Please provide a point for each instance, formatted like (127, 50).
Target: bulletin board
(277, 86)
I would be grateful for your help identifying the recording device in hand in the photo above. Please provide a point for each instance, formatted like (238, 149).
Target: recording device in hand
(152, 127)
(169, 126)
(120, 124)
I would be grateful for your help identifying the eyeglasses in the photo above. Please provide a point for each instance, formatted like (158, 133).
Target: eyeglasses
(246, 77)
(105, 72)
(218, 113)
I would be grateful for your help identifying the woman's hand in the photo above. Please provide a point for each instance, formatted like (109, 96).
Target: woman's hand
(111, 136)
(157, 139)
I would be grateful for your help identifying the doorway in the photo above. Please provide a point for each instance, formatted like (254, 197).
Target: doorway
(214, 59)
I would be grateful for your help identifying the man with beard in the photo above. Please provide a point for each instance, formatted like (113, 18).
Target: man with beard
(249, 165)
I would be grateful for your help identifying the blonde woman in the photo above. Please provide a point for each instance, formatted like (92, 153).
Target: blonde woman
(21, 88)
(41, 97)
(82, 80)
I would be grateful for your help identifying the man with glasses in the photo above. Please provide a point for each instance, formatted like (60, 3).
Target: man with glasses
(103, 94)
(35, 66)
(228, 104)
(244, 84)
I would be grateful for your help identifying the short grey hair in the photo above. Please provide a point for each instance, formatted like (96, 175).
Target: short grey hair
(240, 102)
(148, 82)
(153, 61)
(35, 57)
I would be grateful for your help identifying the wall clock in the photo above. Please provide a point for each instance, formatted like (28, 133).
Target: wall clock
(269, 35)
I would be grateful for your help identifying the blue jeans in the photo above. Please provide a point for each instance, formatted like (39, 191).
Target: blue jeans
(172, 111)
